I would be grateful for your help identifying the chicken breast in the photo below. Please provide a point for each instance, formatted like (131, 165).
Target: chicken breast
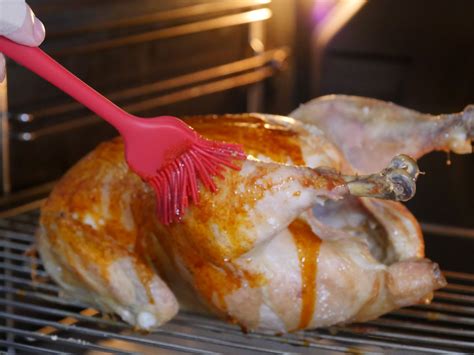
(283, 245)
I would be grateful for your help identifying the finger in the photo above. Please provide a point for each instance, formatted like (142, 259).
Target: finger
(31, 33)
(2, 68)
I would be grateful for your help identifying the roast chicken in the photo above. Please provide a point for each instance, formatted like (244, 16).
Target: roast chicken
(307, 234)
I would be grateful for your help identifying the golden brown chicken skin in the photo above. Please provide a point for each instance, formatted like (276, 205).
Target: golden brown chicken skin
(281, 246)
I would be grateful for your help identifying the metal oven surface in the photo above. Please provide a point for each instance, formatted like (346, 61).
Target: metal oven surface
(36, 319)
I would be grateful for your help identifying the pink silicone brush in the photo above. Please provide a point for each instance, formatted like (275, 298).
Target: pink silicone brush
(164, 151)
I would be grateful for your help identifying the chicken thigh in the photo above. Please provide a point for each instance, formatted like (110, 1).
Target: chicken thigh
(286, 243)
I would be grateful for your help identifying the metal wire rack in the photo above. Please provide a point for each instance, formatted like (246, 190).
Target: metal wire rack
(36, 319)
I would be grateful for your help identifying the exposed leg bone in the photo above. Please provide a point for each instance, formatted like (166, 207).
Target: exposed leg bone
(396, 182)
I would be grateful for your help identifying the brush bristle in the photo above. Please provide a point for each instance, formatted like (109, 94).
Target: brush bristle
(176, 185)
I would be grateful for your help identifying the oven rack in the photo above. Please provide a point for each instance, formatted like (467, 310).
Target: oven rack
(36, 319)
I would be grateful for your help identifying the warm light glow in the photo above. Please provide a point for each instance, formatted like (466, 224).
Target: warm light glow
(258, 15)
(331, 16)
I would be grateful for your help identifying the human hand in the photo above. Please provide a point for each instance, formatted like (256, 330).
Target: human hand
(19, 24)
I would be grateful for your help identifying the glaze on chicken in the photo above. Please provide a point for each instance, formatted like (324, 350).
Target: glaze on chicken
(289, 242)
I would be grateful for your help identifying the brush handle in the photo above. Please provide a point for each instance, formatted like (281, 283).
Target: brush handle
(46, 67)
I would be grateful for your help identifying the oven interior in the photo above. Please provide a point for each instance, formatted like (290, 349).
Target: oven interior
(188, 57)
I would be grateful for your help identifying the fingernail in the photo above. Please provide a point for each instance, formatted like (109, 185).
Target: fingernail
(38, 31)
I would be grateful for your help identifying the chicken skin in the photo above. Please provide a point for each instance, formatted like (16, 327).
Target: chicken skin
(288, 242)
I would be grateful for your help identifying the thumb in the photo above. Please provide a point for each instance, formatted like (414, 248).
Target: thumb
(31, 33)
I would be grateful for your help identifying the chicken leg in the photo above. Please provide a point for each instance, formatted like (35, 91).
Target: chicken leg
(370, 132)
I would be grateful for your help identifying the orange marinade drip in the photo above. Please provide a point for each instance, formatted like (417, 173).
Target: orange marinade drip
(307, 245)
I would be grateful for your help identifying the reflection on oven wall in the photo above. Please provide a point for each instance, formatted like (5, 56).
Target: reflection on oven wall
(178, 57)
(417, 54)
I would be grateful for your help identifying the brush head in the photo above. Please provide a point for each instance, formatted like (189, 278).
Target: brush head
(173, 158)
(177, 184)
